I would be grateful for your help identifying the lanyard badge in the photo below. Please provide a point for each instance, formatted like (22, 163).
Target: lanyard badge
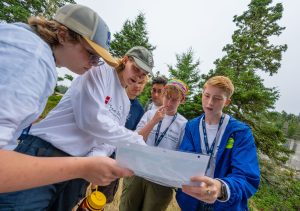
(212, 147)
(159, 138)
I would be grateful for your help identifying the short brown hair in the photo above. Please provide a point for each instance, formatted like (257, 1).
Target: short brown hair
(159, 80)
(221, 82)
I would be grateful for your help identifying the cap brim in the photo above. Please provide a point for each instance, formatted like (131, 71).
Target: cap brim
(102, 52)
(142, 65)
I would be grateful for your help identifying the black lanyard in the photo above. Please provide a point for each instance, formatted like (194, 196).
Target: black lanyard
(211, 149)
(158, 139)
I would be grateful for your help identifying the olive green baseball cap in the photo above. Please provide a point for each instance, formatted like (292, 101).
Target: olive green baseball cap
(90, 26)
(142, 57)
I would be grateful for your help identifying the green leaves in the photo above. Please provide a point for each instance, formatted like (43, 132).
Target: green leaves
(188, 71)
(133, 33)
(278, 191)
(19, 10)
(249, 53)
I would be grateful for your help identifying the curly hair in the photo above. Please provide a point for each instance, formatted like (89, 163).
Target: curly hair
(48, 29)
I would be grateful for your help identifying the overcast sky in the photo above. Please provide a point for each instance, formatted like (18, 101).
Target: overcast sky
(206, 26)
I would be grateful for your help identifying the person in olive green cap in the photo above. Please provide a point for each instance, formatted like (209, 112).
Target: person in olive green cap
(131, 72)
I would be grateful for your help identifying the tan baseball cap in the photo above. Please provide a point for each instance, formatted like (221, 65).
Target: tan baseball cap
(90, 26)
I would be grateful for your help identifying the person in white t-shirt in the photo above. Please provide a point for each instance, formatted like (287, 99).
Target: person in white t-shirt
(88, 121)
(29, 53)
(163, 128)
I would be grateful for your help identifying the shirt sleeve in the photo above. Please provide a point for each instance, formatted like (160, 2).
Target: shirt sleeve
(104, 150)
(27, 79)
(182, 133)
(227, 190)
(90, 113)
(144, 120)
(243, 179)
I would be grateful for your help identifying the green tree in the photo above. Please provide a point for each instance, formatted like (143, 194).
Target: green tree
(187, 70)
(146, 94)
(62, 89)
(69, 77)
(133, 33)
(249, 53)
(292, 123)
(289, 123)
(20, 10)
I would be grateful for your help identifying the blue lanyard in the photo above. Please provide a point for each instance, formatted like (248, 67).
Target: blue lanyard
(211, 149)
(25, 133)
(158, 139)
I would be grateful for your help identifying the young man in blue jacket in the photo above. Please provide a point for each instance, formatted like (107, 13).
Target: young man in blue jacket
(232, 175)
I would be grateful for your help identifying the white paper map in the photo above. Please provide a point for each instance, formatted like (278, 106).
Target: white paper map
(162, 166)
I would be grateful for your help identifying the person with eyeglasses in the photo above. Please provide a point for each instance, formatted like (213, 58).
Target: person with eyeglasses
(29, 53)
(232, 175)
(156, 100)
(87, 122)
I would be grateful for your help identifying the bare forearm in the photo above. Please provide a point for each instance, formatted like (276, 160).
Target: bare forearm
(145, 131)
(18, 171)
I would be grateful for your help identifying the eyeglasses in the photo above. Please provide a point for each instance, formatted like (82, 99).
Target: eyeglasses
(94, 58)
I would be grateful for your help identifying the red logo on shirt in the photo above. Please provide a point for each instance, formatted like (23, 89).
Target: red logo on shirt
(107, 99)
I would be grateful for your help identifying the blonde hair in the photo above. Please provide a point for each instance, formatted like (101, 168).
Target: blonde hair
(120, 65)
(221, 82)
(48, 29)
(146, 79)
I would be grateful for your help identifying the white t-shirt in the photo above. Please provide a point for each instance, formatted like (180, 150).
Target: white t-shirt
(152, 106)
(92, 112)
(174, 135)
(27, 78)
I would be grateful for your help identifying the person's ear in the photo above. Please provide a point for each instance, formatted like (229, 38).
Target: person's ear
(125, 59)
(62, 36)
(227, 102)
(182, 100)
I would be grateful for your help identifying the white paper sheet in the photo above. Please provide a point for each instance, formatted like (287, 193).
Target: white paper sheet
(162, 166)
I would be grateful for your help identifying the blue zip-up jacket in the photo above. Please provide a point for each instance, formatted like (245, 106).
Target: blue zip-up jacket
(236, 164)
